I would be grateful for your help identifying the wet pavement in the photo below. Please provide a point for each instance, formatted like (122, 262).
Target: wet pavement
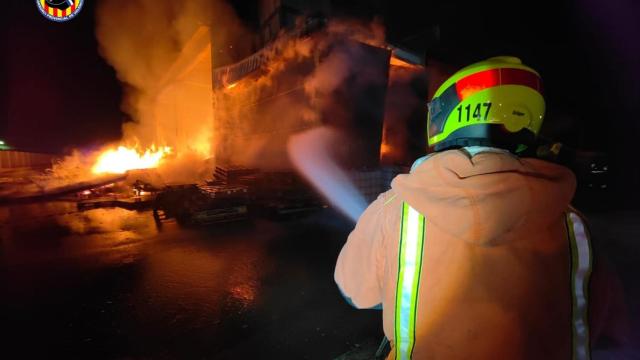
(108, 283)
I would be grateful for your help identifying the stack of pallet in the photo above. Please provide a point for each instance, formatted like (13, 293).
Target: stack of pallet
(233, 174)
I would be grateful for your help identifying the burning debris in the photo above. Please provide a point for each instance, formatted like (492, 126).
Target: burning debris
(30, 186)
(237, 193)
(232, 194)
(193, 107)
(119, 195)
(122, 159)
(202, 204)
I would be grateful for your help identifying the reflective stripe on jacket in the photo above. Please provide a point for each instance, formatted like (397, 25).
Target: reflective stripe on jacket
(411, 248)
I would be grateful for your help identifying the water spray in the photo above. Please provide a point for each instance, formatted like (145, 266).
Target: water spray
(310, 152)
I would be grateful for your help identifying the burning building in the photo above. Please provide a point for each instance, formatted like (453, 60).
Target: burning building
(203, 90)
(236, 99)
(307, 72)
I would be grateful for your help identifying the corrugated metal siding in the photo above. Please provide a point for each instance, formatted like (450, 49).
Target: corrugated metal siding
(20, 159)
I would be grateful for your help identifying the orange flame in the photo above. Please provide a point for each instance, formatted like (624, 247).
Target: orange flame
(122, 159)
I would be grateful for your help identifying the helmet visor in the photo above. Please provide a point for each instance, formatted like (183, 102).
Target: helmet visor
(440, 108)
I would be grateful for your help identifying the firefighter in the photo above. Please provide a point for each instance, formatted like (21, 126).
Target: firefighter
(477, 253)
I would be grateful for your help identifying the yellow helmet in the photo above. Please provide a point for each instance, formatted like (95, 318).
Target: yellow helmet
(497, 102)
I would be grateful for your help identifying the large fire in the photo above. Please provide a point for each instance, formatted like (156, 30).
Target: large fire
(118, 161)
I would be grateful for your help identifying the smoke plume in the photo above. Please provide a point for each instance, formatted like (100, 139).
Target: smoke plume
(297, 88)
(143, 40)
(163, 53)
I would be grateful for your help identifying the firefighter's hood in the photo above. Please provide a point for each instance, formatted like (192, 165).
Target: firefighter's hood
(484, 198)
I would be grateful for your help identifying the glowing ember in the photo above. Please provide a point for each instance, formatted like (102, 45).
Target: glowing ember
(118, 161)
(396, 61)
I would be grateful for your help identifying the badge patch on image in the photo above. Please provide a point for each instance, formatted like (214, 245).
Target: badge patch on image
(59, 10)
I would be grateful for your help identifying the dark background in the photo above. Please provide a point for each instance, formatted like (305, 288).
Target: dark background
(61, 94)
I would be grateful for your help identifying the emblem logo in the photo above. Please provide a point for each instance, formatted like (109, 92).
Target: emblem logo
(59, 10)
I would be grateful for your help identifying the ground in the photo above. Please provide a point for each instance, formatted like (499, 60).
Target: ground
(109, 283)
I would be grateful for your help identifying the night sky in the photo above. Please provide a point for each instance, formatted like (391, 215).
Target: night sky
(62, 94)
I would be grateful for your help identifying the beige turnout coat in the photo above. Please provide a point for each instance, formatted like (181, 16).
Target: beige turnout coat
(496, 280)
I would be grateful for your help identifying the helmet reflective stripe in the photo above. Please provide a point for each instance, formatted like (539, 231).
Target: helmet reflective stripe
(409, 266)
(581, 261)
(473, 83)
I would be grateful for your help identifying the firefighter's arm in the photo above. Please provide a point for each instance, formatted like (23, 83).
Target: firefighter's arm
(360, 263)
